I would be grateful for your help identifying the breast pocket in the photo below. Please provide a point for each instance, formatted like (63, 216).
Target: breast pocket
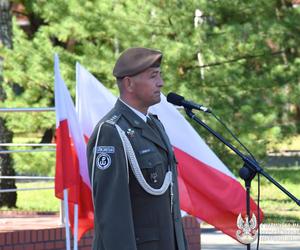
(152, 166)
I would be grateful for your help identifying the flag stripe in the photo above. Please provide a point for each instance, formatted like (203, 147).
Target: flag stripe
(64, 165)
(71, 163)
(209, 194)
(85, 209)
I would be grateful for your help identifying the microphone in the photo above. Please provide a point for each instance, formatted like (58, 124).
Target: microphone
(180, 101)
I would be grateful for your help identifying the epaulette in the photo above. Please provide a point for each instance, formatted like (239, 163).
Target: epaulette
(113, 120)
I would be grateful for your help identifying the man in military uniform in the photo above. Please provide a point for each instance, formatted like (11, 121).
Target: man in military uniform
(132, 165)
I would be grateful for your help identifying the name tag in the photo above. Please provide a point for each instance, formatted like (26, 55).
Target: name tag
(105, 149)
(145, 151)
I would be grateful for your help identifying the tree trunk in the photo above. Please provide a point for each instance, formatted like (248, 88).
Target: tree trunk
(6, 163)
(297, 118)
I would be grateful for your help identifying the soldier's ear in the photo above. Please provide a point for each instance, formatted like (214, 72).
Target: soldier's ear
(128, 84)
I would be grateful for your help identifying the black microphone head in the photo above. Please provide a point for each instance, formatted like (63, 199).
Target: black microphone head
(175, 99)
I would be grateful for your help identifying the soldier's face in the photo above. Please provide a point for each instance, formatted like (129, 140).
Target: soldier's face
(147, 86)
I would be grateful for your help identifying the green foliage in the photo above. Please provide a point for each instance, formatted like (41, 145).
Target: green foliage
(42, 165)
(250, 52)
(277, 206)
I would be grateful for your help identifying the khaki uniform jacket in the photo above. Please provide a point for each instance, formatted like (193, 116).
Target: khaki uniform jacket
(127, 217)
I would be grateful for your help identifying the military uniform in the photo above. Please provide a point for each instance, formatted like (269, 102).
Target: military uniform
(126, 216)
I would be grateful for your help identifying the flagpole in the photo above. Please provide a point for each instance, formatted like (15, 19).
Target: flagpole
(66, 208)
(76, 227)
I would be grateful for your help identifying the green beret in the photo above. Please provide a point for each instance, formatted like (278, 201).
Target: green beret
(135, 60)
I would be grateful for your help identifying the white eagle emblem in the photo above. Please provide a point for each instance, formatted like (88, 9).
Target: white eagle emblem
(247, 232)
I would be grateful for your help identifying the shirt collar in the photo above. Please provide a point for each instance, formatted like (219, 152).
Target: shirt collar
(139, 113)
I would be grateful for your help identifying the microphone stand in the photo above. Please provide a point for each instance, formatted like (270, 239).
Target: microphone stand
(249, 169)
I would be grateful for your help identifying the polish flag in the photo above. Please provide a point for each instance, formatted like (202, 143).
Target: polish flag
(208, 190)
(71, 163)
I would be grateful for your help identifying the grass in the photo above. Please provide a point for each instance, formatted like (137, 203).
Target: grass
(277, 207)
(36, 200)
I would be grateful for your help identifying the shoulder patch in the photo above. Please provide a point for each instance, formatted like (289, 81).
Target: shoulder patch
(103, 161)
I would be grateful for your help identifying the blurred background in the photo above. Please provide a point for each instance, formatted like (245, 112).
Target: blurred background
(240, 58)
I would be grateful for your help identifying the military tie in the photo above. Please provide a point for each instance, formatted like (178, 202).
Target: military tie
(153, 172)
(151, 123)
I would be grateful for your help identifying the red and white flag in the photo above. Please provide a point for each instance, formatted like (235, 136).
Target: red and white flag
(207, 188)
(71, 163)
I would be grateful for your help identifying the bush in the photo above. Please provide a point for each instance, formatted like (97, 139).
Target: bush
(41, 163)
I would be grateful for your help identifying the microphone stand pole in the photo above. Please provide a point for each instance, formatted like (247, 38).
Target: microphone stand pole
(249, 169)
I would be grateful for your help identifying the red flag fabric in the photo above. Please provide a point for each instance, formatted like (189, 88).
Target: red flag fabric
(71, 158)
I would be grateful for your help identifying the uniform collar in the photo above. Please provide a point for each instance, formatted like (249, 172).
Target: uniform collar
(137, 122)
(128, 113)
(139, 113)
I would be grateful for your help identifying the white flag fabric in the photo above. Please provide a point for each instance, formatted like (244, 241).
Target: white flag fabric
(71, 162)
(93, 100)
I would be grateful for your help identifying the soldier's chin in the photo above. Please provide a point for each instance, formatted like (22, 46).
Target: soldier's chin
(158, 99)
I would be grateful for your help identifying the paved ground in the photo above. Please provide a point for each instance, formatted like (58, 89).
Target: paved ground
(28, 221)
(273, 237)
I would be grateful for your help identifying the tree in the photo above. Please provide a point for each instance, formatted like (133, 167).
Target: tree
(251, 54)
(6, 163)
(248, 72)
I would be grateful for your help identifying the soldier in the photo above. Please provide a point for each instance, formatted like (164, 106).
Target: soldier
(132, 165)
